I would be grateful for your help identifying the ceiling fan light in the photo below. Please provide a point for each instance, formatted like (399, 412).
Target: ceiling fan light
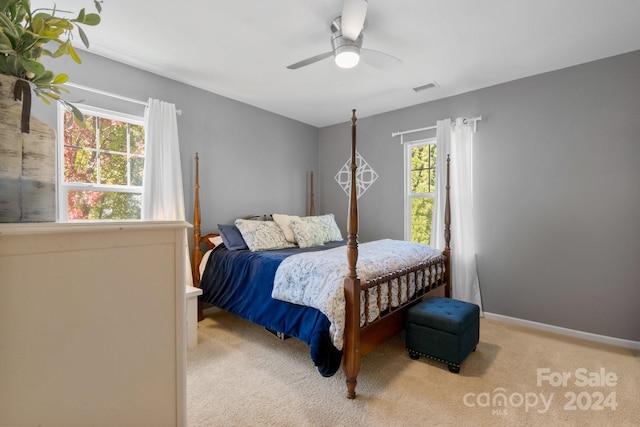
(348, 57)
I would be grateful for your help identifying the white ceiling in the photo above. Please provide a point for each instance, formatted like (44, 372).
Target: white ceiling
(240, 48)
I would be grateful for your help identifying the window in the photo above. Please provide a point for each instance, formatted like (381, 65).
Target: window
(420, 188)
(100, 166)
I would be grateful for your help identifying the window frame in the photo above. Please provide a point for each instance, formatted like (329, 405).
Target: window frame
(63, 188)
(408, 196)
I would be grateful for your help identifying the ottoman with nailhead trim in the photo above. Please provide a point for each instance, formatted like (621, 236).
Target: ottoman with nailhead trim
(443, 329)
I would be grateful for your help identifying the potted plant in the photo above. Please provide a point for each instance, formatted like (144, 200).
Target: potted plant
(27, 162)
(25, 37)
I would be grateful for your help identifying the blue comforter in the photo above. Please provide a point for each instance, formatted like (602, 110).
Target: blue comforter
(241, 282)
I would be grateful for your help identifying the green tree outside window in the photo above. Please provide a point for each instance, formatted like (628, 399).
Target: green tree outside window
(103, 168)
(422, 191)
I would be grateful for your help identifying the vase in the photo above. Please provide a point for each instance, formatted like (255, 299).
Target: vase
(27, 163)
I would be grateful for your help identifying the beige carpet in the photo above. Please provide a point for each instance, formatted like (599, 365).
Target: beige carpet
(240, 375)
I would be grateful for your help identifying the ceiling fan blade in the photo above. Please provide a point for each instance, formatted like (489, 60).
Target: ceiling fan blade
(310, 61)
(380, 60)
(354, 13)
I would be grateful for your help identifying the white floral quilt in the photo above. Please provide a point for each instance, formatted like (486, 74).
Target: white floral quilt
(316, 279)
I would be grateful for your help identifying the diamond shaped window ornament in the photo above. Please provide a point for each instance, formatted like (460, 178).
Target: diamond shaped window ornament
(365, 175)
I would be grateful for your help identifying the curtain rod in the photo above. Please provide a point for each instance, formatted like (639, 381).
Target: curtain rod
(475, 121)
(112, 95)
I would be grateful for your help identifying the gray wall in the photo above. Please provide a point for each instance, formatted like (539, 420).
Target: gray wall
(557, 181)
(251, 161)
(557, 191)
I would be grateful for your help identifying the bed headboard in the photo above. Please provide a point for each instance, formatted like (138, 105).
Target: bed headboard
(198, 239)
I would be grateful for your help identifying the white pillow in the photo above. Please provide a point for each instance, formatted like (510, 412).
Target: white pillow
(284, 222)
(308, 233)
(315, 230)
(332, 229)
(262, 235)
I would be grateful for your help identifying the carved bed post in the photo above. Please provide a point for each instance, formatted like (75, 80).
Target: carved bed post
(197, 251)
(351, 363)
(312, 206)
(448, 290)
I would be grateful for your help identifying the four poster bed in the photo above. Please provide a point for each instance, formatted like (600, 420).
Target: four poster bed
(370, 311)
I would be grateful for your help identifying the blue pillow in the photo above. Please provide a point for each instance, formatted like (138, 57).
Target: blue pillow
(231, 237)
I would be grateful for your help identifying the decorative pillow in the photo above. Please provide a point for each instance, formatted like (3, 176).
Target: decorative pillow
(315, 230)
(262, 235)
(284, 222)
(231, 237)
(307, 232)
(332, 229)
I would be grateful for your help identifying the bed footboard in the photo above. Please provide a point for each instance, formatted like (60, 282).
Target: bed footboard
(378, 307)
(391, 292)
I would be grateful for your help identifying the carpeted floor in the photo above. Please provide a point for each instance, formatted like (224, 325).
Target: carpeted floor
(240, 375)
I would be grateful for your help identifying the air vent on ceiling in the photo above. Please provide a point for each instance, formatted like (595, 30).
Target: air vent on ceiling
(425, 87)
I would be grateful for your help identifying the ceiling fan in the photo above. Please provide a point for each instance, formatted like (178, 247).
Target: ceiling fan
(346, 41)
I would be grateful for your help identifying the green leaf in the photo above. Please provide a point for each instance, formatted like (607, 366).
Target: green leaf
(98, 5)
(5, 44)
(91, 19)
(80, 17)
(77, 115)
(44, 79)
(53, 95)
(51, 33)
(44, 99)
(42, 95)
(37, 24)
(3, 65)
(60, 79)
(7, 26)
(83, 37)
(17, 12)
(62, 50)
(13, 66)
(74, 55)
(26, 6)
(43, 15)
(46, 52)
(32, 66)
(60, 23)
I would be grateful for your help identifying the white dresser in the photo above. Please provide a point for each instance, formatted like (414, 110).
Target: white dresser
(92, 324)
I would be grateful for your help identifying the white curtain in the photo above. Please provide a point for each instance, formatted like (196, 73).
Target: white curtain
(456, 139)
(163, 198)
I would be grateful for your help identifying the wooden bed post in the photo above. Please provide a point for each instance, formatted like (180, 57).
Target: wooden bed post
(351, 362)
(448, 290)
(197, 251)
(312, 205)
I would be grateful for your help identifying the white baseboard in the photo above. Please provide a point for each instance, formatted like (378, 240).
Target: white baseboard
(619, 342)
(634, 345)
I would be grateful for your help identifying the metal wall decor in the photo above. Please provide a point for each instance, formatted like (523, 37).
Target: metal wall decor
(366, 176)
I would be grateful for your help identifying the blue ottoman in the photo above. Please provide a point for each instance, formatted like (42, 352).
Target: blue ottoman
(443, 329)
